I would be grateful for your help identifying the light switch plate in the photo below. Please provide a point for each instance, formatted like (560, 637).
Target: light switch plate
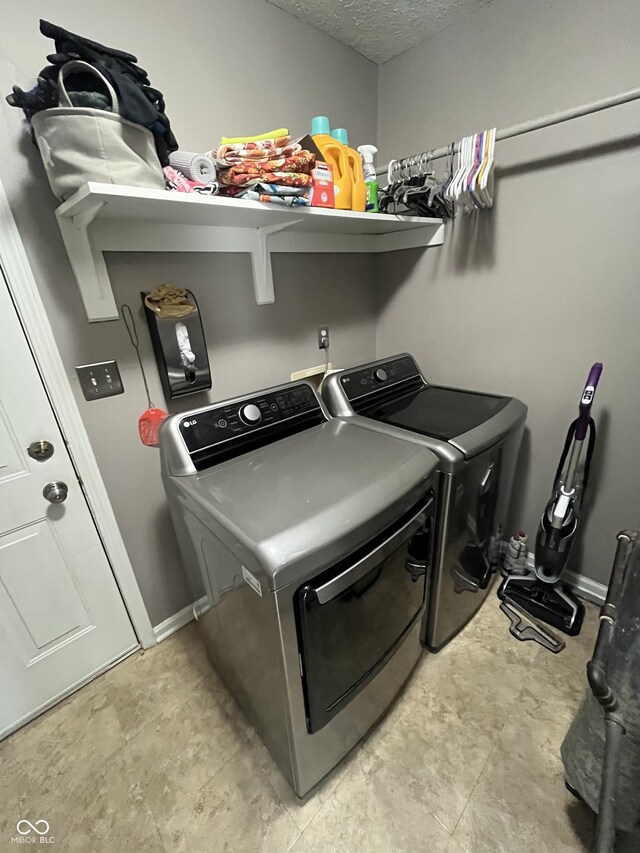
(100, 380)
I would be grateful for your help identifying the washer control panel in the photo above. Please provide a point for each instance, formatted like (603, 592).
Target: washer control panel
(376, 377)
(271, 412)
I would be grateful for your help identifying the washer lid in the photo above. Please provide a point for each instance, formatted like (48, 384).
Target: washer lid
(439, 412)
(311, 498)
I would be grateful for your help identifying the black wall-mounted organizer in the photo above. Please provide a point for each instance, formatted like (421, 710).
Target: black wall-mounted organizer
(180, 350)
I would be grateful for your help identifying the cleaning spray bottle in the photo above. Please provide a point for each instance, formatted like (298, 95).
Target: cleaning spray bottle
(368, 152)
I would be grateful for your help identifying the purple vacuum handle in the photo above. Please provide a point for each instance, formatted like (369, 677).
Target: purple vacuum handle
(586, 401)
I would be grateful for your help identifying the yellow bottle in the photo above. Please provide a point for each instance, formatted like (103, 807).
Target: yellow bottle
(336, 154)
(358, 188)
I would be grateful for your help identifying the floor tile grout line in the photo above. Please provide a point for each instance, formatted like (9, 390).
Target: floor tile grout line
(428, 811)
(316, 814)
(331, 793)
(311, 818)
(158, 833)
(446, 828)
(475, 785)
(293, 844)
(279, 799)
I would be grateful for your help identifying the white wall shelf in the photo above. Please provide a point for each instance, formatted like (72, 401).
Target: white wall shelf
(106, 218)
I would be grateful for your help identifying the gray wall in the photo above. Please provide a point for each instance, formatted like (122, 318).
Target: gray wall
(237, 68)
(519, 301)
(522, 300)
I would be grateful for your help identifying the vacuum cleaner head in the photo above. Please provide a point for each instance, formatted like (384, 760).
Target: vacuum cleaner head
(551, 603)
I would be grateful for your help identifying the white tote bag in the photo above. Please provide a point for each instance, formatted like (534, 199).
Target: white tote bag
(81, 144)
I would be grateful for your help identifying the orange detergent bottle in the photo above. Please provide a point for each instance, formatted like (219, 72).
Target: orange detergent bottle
(358, 187)
(336, 154)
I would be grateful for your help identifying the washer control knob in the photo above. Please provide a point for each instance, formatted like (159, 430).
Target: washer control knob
(250, 414)
(380, 374)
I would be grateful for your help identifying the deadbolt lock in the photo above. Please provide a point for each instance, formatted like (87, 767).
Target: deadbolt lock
(40, 450)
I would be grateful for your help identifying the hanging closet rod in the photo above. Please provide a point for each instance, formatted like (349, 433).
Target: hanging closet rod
(544, 121)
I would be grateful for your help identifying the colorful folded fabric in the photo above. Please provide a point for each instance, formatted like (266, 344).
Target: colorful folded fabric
(265, 149)
(175, 180)
(291, 179)
(286, 200)
(279, 189)
(291, 171)
(276, 161)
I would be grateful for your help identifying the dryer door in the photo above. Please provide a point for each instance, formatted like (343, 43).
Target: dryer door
(464, 570)
(351, 618)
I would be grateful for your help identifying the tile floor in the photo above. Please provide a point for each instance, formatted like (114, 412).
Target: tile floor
(155, 756)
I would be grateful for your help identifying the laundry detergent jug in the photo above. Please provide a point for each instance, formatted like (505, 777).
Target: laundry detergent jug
(334, 153)
(358, 187)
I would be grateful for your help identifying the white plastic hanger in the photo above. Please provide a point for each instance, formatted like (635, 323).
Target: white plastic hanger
(456, 186)
(464, 198)
(486, 178)
(481, 171)
(450, 191)
(481, 150)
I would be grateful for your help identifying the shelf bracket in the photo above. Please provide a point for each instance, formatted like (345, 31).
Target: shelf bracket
(88, 264)
(261, 261)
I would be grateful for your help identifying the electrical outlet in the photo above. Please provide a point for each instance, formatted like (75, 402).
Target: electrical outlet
(100, 380)
(323, 337)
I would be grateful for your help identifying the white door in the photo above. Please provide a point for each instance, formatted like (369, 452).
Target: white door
(62, 618)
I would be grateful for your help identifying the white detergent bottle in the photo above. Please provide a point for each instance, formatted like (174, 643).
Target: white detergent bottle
(367, 152)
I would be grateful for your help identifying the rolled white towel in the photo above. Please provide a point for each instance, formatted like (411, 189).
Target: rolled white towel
(195, 167)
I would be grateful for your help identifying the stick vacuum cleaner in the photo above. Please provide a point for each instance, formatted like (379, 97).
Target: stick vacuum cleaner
(539, 591)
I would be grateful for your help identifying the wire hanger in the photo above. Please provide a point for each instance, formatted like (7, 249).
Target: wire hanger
(150, 421)
(129, 322)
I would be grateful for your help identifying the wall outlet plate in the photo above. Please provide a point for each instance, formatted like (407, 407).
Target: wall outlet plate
(323, 337)
(309, 372)
(315, 375)
(100, 380)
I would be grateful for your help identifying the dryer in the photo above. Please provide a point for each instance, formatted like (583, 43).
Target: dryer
(311, 539)
(476, 438)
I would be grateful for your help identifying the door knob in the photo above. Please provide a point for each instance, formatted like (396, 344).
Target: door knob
(56, 492)
(40, 450)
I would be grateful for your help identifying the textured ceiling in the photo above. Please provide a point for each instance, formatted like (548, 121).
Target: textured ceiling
(379, 29)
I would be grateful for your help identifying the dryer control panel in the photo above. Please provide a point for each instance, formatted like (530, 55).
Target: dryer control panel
(379, 376)
(235, 426)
